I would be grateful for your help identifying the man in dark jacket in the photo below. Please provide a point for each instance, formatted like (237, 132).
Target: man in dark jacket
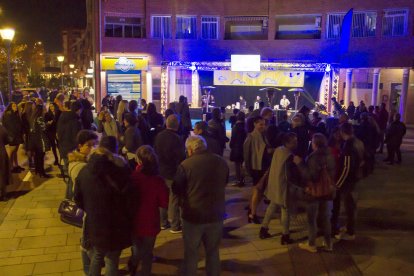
(200, 184)
(213, 145)
(382, 123)
(349, 163)
(103, 191)
(394, 138)
(170, 150)
(68, 126)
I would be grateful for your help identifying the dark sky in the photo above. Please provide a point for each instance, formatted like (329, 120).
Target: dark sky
(42, 20)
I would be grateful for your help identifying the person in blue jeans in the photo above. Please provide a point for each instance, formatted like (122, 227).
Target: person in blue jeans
(199, 183)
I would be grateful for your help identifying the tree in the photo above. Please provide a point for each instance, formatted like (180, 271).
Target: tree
(16, 61)
(36, 80)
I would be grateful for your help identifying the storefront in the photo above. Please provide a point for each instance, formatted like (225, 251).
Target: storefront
(125, 76)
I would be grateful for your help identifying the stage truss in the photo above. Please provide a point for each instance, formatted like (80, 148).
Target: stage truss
(330, 89)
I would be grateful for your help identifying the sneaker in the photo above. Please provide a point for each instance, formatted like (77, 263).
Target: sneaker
(165, 226)
(176, 231)
(307, 247)
(345, 237)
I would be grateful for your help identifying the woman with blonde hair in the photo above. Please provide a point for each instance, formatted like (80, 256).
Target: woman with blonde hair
(122, 109)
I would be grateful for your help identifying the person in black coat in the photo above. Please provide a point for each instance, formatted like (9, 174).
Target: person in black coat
(394, 137)
(238, 136)
(68, 126)
(132, 139)
(4, 163)
(102, 190)
(51, 119)
(39, 143)
(213, 145)
(217, 129)
(14, 126)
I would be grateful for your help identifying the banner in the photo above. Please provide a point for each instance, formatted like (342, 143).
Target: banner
(124, 64)
(263, 78)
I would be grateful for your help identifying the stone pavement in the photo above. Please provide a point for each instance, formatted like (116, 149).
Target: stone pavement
(33, 241)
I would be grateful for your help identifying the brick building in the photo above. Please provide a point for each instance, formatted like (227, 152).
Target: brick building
(167, 46)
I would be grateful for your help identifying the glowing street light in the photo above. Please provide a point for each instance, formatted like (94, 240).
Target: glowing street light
(7, 35)
(71, 66)
(61, 59)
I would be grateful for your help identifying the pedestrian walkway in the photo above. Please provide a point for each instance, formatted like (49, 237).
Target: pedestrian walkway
(33, 240)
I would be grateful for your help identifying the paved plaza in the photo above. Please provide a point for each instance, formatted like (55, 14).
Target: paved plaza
(33, 240)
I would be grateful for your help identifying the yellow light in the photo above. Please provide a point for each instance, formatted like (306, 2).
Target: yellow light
(71, 66)
(7, 34)
(60, 58)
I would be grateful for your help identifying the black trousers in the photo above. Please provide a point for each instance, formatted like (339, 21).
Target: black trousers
(393, 149)
(350, 210)
(39, 159)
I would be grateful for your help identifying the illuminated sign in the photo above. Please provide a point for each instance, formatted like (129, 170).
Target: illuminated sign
(245, 63)
(124, 64)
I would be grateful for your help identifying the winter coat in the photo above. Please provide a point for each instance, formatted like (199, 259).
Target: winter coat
(171, 152)
(254, 151)
(4, 161)
(14, 126)
(395, 133)
(200, 184)
(213, 145)
(68, 126)
(277, 184)
(76, 163)
(38, 137)
(102, 190)
(132, 139)
(151, 193)
(108, 128)
(238, 136)
(218, 131)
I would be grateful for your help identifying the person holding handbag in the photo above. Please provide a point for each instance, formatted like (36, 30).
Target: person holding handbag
(86, 140)
(319, 173)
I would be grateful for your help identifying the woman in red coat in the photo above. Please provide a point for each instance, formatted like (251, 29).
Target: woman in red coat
(151, 194)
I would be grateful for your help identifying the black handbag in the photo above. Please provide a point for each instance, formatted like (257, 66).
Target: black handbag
(70, 213)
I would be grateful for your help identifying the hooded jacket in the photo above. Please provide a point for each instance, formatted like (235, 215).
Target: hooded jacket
(103, 191)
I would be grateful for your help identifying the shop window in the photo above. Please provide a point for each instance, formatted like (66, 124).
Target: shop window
(209, 27)
(302, 26)
(128, 27)
(246, 27)
(161, 27)
(186, 27)
(395, 22)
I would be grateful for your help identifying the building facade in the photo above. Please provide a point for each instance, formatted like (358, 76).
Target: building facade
(167, 43)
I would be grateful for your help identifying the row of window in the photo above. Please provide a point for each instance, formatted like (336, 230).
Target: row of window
(394, 23)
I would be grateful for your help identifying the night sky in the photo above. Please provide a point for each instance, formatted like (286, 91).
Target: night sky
(42, 20)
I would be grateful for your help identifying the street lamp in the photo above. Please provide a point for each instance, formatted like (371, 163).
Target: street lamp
(7, 35)
(61, 59)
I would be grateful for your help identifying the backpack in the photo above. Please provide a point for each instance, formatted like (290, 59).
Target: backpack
(324, 188)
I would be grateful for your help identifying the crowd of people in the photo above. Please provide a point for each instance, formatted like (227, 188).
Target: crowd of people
(147, 172)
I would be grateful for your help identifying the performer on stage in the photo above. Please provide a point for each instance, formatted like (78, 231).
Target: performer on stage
(243, 104)
(257, 102)
(284, 102)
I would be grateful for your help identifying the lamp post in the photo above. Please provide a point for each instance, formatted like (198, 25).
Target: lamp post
(61, 59)
(71, 66)
(7, 35)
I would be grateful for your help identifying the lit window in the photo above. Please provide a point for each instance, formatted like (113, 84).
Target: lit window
(186, 27)
(161, 26)
(209, 27)
(133, 27)
(395, 22)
